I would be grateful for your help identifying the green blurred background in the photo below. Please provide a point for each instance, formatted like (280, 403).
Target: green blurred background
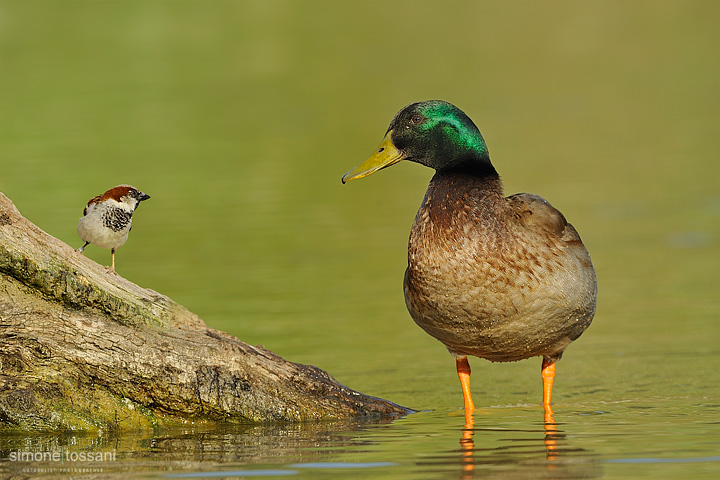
(239, 119)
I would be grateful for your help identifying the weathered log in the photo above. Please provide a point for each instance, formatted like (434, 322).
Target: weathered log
(83, 348)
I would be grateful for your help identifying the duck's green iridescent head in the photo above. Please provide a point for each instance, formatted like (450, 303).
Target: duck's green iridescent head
(434, 133)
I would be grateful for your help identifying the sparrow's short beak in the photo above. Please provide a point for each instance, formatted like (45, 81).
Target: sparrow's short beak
(143, 196)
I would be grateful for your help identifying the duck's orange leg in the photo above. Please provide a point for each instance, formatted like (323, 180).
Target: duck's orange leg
(548, 376)
(463, 371)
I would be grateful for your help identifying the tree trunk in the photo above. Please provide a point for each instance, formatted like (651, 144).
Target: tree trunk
(81, 348)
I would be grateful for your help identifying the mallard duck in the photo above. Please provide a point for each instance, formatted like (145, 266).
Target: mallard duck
(500, 278)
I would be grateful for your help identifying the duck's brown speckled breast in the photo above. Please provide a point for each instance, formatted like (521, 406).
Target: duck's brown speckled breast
(501, 279)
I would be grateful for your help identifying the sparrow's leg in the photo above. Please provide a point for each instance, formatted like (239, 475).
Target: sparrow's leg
(82, 249)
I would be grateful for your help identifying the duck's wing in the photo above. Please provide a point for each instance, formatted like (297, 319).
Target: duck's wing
(578, 281)
(535, 212)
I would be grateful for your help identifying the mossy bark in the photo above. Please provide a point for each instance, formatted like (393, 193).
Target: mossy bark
(82, 348)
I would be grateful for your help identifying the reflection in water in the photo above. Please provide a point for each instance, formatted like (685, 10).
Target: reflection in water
(467, 445)
(187, 450)
(560, 460)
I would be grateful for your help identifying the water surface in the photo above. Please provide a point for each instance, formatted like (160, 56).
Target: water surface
(239, 118)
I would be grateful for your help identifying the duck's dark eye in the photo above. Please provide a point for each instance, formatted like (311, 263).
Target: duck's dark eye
(416, 119)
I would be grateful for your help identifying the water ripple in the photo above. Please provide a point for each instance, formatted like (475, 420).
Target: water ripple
(664, 460)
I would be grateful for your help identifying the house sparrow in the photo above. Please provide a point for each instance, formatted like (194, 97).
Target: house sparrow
(107, 218)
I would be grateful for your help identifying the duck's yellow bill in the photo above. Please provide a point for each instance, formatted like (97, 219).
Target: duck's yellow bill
(385, 155)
